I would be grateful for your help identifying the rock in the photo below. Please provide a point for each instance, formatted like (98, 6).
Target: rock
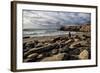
(30, 52)
(84, 43)
(26, 60)
(31, 56)
(46, 48)
(75, 45)
(29, 60)
(64, 49)
(57, 57)
(56, 39)
(76, 40)
(73, 57)
(62, 45)
(26, 37)
(29, 45)
(36, 41)
(69, 41)
(40, 56)
(86, 28)
(54, 51)
(84, 54)
(39, 45)
(75, 51)
(63, 38)
(79, 44)
(66, 56)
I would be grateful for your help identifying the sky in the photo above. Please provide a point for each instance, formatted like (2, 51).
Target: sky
(33, 19)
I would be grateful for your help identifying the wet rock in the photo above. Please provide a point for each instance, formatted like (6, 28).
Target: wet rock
(57, 57)
(73, 57)
(56, 39)
(64, 49)
(84, 54)
(75, 51)
(31, 56)
(26, 60)
(39, 45)
(26, 37)
(62, 45)
(66, 56)
(36, 41)
(40, 56)
(69, 41)
(29, 45)
(54, 51)
(75, 45)
(76, 40)
(46, 48)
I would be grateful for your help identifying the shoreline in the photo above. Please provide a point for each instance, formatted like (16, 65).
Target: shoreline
(57, 48)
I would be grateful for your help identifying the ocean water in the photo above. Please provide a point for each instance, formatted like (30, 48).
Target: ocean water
(43, 32)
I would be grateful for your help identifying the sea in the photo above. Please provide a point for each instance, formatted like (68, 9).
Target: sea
(43, 32)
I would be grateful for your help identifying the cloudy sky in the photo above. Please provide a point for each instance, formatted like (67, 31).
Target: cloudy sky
(52, 19)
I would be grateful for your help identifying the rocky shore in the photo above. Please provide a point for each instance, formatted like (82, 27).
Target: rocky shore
(79, 28)
(57, 48)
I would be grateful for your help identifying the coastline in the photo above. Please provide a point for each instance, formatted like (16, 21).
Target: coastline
(56, 48)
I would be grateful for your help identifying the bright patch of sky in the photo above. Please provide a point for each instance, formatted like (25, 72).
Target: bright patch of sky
(53, 19)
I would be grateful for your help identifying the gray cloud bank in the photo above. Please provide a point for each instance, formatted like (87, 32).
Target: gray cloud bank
(53, 19)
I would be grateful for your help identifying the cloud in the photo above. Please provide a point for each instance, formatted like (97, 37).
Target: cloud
(53, 19)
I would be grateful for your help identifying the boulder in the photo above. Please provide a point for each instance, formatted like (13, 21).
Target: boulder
(84, 54)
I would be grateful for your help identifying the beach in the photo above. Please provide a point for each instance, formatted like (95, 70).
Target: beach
(57, 47)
